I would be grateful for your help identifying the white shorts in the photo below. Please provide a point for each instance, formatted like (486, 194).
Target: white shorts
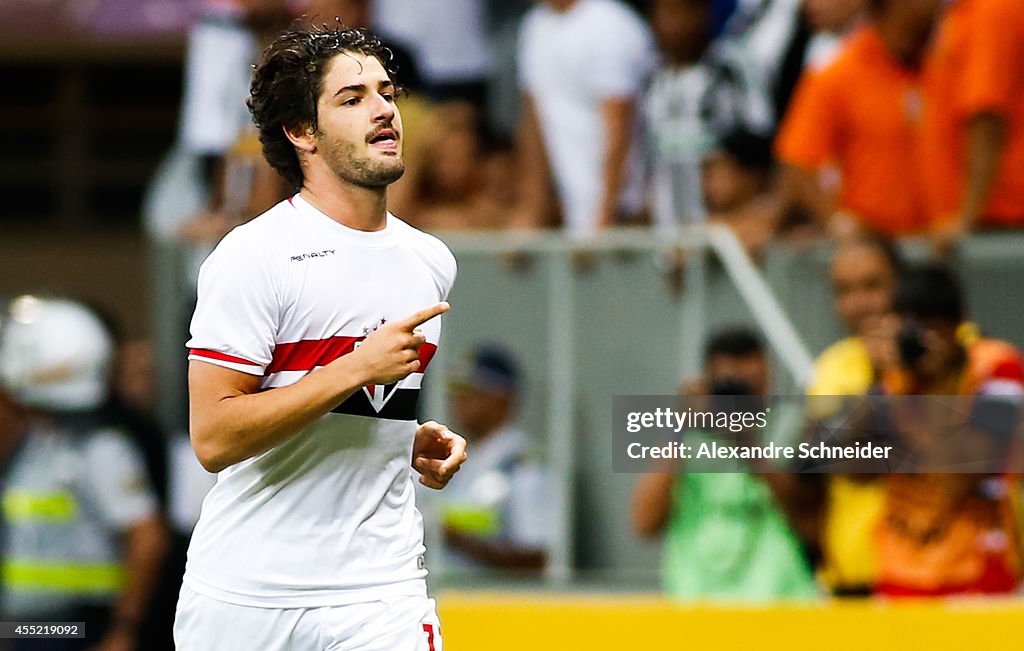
(391, 624)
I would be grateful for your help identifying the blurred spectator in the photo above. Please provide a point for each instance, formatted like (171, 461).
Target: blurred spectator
(726, 535)
(864, 274)
(83, 537)
(447, 39)
(736, 180)
(582, 66)
(133, 405)
(861, 115)
(974, 122)
(832, 21)
(460, 184)
(703, 91)
(215, 178)
(944, 534)
(773, 36)
(494, 513)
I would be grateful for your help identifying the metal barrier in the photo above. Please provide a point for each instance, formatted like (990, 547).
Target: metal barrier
(564, 286)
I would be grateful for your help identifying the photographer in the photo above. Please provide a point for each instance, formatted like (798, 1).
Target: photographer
(944, 533)
(726, 535)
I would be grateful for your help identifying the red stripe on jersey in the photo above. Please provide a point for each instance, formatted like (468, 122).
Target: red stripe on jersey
(307, 354)
(213, 354)
(426, 354)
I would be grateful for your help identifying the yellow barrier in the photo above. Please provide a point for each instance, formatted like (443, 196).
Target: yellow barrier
(487, 621)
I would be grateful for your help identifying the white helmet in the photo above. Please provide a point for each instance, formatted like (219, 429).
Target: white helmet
(55, 354)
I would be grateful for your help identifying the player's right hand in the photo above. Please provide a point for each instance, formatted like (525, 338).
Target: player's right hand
(392, 352)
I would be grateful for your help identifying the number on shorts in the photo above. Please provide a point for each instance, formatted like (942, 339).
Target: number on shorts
(429, 630)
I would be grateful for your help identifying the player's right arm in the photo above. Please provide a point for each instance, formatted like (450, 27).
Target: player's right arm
(231, 419)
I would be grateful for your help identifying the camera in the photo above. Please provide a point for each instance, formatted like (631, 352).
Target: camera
(910, 342)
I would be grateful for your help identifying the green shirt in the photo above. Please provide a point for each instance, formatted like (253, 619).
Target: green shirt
(727, 539)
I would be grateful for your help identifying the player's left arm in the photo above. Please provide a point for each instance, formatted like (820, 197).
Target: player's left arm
(437, 454)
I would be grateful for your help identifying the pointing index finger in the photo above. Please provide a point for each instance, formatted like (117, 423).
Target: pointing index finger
(419, 318)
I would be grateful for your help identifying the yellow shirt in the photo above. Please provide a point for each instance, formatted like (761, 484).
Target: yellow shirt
(854, 505)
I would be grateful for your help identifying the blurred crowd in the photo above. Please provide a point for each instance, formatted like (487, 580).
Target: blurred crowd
(765, 534)
(782, 119)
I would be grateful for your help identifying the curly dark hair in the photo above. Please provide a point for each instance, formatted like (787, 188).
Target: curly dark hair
(288, 80)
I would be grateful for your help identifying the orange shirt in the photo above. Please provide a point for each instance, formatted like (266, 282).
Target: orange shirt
(861, 113)
(976, 64)
(939, 534)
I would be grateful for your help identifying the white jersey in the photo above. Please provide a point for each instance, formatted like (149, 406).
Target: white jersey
(327, 517)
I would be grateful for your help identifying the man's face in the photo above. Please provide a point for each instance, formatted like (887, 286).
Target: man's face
(478, 411)
(863, 282)
(359, 132)
(726, 185)
(681, 26)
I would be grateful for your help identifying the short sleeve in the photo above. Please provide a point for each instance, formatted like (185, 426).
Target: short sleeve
(991, 80)
(116, 480)
(808, 135)
(624, 56)
(237, 312)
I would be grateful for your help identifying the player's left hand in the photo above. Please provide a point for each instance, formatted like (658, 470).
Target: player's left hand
(437, 454)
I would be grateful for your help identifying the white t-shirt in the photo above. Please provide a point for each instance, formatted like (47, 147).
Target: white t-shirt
(327, 517)
(569, 63)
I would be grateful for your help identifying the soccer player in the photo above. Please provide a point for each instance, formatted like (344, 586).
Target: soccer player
(314, 324)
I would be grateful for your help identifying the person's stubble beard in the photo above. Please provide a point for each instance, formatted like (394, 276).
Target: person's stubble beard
(366, 172)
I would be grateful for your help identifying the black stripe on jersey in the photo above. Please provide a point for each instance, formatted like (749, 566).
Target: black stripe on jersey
(401, 405)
